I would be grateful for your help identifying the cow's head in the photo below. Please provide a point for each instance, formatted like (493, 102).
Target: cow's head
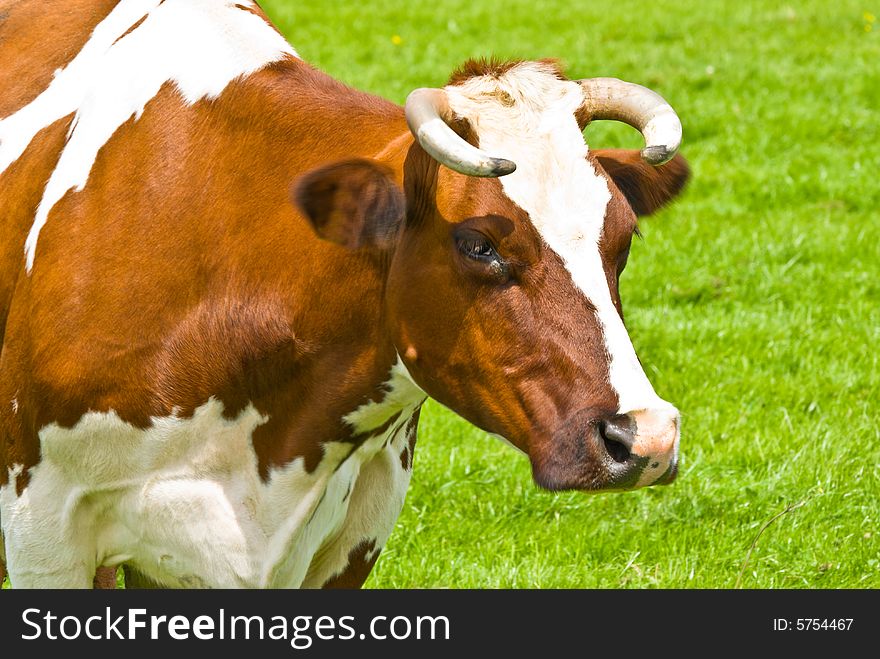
(502, 292)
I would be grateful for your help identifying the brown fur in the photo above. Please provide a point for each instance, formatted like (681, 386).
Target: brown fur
(359, 568)
(35, 57)
(495, 68)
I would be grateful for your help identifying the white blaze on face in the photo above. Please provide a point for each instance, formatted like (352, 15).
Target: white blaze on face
(199, 45)
(560, 190)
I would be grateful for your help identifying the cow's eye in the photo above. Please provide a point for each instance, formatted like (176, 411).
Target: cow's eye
(478, 248)
(480, 256)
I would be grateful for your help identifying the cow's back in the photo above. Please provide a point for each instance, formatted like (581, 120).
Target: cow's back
(36, 39)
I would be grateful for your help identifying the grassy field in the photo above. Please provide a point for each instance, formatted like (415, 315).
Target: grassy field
(754, 303)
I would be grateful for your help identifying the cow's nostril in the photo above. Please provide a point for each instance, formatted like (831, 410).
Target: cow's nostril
(617, 440)
(617, 451)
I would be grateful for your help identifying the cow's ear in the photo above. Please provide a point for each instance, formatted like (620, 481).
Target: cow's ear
(646, 187)
(354, 203)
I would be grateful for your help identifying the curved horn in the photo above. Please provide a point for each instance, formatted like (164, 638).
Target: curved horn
(641, 108)
(427, 111)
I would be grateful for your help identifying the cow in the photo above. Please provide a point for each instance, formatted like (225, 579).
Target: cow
(228, 282)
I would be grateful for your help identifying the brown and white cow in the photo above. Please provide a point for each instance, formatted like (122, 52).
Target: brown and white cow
(228, 282)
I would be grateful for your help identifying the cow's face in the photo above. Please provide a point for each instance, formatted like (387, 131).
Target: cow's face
(502, 295)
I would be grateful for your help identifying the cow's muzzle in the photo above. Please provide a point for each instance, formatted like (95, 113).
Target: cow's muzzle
(643, 447)
(610, 452)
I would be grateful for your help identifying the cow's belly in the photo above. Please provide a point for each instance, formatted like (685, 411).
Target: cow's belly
(182, 502)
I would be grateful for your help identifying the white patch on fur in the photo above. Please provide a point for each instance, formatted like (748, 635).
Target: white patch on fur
(560, 190)
(199, 45)
(378, 495)
(183, 501)
(401, 392)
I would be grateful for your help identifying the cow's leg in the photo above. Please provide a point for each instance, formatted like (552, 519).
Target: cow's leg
(105, 578)
(41, 557)
(43, 569)
(41, 548)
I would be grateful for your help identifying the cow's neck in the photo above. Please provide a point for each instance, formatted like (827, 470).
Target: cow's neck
(351, 399)
(349, 380)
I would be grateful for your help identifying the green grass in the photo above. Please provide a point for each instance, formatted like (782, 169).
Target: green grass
(754, 302)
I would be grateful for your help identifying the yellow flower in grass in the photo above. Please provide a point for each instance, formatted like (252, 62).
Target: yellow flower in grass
(396, 40)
